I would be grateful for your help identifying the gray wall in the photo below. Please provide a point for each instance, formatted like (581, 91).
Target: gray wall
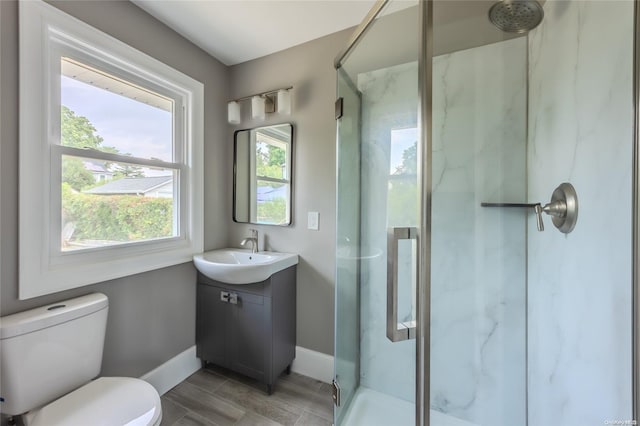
(152, 315)
(308, 67)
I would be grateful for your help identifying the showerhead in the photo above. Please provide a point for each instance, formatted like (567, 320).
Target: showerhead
(516, 16)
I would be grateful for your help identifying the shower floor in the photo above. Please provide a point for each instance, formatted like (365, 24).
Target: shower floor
(373, 408)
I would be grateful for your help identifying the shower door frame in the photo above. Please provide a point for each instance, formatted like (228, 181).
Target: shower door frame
(425, 154)
(635, 251)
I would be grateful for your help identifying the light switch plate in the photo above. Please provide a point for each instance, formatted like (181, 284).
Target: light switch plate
(313, 221)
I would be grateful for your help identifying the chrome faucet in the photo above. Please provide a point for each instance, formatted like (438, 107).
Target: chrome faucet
(253, 239)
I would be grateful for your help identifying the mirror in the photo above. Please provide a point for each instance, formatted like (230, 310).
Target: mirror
(262, 175)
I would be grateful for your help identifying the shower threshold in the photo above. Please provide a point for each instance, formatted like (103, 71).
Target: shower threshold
(373, 408)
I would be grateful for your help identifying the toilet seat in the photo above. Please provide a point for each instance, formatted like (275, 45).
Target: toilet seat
(107, 401)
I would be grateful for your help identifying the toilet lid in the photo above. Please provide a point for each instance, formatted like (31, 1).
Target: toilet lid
(107, 401)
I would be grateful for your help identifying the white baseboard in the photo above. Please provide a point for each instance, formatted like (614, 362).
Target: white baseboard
(174, 371)
(313, 364)
(316, 365)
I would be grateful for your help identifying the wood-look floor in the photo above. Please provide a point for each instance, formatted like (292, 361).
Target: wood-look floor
(215, 396)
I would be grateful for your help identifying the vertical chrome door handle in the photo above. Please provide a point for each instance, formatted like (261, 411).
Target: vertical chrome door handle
(397, 331)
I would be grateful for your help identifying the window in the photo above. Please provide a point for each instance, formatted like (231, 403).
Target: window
(110, 157)
(403, 178)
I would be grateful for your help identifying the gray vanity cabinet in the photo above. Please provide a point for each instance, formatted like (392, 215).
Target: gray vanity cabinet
(250, 329)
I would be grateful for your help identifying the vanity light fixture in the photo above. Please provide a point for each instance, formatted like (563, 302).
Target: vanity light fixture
(261, 104)
(284, 101)
(233, 112)
(258, 107)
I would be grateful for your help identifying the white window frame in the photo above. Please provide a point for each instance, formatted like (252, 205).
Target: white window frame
(46, 33)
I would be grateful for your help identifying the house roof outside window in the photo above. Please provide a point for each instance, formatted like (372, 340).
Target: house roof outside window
(96, 167)
(135, 186)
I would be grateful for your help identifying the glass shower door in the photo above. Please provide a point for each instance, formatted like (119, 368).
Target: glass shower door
(347, 296)
(378, 216)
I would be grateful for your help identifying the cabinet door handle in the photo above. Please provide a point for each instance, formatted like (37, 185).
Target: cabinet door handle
(233, 298)
(224, 296)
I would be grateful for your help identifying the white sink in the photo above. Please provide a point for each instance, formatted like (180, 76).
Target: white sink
(238, 266)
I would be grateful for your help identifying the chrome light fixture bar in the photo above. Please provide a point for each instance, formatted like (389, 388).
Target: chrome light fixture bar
(277, 100)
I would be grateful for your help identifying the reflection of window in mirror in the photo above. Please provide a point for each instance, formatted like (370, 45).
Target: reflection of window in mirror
(262, 180)
(403, 178)
(272, 178)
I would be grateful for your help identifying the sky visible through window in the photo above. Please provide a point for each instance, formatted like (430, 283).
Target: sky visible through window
(128, 125)
(104, 202)
(401, 140)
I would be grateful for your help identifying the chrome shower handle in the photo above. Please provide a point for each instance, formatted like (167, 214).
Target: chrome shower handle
(556, 208)
(398, 330)
(563, 208)
(539, 209)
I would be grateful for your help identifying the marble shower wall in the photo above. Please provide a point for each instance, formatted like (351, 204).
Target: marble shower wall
(580, 131)
(478, 332)
(478, 287)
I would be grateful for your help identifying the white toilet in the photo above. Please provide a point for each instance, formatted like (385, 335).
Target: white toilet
(48, 358)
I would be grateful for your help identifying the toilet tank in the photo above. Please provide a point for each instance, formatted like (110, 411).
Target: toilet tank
(47, 352)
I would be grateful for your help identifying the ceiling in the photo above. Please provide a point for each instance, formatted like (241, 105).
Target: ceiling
(235, 31)
(241, 30)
